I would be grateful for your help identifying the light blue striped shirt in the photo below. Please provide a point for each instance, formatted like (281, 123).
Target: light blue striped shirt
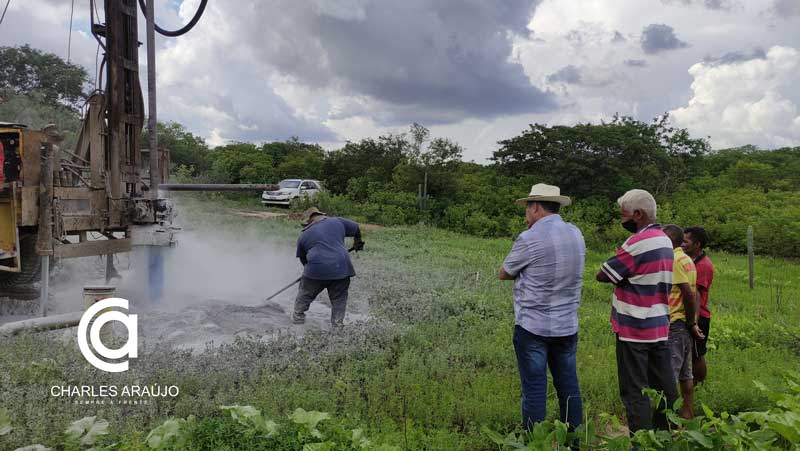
(547, 264)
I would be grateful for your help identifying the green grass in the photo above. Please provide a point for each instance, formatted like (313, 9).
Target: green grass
(434, 365)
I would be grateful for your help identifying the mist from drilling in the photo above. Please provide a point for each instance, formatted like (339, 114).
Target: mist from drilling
(216, 283)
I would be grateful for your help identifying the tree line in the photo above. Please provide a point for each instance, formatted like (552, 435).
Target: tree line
(413, 177)
(379, 179)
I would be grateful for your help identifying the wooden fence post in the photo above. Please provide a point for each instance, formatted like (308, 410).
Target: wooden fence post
(750, 255)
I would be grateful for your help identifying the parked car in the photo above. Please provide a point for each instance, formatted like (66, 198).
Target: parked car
(291, 189)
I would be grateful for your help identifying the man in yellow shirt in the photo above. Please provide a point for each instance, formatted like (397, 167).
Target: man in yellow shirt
(683, 318)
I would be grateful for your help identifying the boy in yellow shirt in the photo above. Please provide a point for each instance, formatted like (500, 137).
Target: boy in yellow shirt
(683, 318)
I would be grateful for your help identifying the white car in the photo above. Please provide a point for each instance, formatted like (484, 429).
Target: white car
(291, 189)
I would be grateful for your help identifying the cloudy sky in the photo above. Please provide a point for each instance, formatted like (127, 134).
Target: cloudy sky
(475, 71)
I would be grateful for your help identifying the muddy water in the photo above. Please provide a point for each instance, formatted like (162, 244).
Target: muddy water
(214, 291)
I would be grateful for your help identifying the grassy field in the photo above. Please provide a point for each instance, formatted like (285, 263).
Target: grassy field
(433, 365)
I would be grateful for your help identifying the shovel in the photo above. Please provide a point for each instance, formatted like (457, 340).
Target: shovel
(295, 282)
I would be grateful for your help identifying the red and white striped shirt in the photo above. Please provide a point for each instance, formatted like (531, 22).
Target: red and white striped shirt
(642, 273)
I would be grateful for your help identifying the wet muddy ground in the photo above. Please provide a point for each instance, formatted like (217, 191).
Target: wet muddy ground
(215, 291)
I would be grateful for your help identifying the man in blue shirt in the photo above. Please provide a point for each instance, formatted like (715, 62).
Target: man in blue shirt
(326, 263)
(546, 265)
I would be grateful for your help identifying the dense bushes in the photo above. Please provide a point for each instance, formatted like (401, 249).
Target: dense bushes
(244, 427)
(407, 179)
(727, 212)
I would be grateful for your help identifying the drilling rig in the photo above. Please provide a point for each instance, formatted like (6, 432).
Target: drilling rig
(102, 197)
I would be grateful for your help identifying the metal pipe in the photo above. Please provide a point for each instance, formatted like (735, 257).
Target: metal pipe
(155, 273)
(285, 288)
(152, 124)
(44, 240)
(45, 288)
(216, 187)
(296, 282)
(38, 324)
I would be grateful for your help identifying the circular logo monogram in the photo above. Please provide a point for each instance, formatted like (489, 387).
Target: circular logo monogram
(128, 350)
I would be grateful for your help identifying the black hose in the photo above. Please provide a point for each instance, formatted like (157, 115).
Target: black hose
(185, 28)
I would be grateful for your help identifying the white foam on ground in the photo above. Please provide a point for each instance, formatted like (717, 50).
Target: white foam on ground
(215, 290)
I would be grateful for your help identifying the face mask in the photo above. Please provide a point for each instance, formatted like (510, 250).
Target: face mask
(630, 226)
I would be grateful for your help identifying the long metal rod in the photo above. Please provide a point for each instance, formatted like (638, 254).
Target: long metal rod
(285, 288)
(216, 187)
(152, 124)
(45, 288)
(295, 282)
(44, 239)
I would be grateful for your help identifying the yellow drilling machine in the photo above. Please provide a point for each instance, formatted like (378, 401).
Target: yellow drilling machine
(102, 196)
(99, 198)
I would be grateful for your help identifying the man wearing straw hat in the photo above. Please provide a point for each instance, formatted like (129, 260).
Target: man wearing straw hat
(326, 263)
(546, 265)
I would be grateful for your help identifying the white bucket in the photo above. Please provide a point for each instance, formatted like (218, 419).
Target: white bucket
(94, 293)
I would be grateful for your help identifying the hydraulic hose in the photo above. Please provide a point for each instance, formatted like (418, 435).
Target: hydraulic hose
(185, 28)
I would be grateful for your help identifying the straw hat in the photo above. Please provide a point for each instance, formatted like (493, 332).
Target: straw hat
(545, 193)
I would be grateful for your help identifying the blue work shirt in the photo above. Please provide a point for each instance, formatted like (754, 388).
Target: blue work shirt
(322, 245)
(547, 264)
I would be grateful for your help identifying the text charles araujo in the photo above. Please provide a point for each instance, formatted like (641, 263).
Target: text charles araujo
(114, 391)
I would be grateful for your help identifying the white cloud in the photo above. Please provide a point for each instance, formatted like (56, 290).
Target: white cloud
(336, 70)
(746, 102)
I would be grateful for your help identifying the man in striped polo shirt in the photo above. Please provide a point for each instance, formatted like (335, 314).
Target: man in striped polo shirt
(641, 271)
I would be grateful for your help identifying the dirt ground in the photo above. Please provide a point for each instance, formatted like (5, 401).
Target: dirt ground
(262, 214)
(258, 214)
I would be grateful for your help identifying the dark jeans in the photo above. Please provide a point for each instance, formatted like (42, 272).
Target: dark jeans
(311, 288)
(534, 354)
(700, 346)
(645, 365)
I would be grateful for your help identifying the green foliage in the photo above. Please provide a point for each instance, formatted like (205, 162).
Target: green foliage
(607, 159)
(173, 433)
(185, 149)
(251, 417)
(26, 70)
(379, 181)
(749, 166)
(303, 164)
(5, 422)
(295, 159)
(727, 212)
(87, 430)
(375, 159)
(241, 163)
(246, 429)
(32, 110)
(432, 365)
(309, 421)
(772, 430)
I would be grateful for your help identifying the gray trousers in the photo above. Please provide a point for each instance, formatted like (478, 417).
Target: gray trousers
(311, 288)
(641, 365)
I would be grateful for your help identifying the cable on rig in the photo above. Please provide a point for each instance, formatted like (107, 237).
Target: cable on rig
(185, 28)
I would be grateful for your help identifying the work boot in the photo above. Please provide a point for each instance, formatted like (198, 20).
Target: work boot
(298, 318)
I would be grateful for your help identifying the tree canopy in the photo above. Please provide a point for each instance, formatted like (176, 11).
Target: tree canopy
(604, 159)
(26, 70)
